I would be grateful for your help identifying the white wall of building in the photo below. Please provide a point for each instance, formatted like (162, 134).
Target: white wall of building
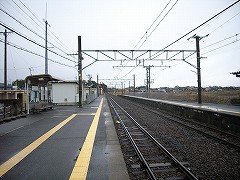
(65, 93)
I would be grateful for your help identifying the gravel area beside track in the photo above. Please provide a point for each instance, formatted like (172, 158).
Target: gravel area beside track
(208, 159)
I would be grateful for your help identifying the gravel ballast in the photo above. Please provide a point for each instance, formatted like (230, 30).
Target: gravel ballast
(208, 159)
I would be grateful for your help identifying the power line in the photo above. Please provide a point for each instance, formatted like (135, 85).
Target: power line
(34, 53)
(38, 44)
(224, 23)
(152, 24)
(198, 26)
(154, 28)
(210, 50)
(215, 28)
(221, 41)
(221, 47)
(21, 23)
(27, 15)
(60, 43)
(32, 14)
(31, 23)
(30, 29)
(158, 24)
(23, 15)
(157, 53)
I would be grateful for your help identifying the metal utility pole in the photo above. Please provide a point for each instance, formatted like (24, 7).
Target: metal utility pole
(148, 80)
(129, 87)
(5, 69)
(5, 65)
(198, 38)
(46, 51)
(198, 70)
(97, 87)
(5, 60)
(80, 70)
(122, 87)
(80, 58)
(134, 85)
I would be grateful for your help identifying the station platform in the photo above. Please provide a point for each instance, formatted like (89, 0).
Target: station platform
(67, 142)
(218, 108)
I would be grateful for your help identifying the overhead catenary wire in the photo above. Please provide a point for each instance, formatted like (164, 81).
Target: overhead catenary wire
(158, 24)
(198, 27)
(224, 23)
(154, 28)
(220, 47)
(235, 35)
(152, 23)
(210, 19)
(232, 42)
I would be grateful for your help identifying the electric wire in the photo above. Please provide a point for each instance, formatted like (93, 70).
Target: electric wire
(220, 47)
(31, 23)
(60, 43)
(198, 27)
(235, 35)
(153, 29)
(153, 23)
(16, 9)
(158, 24)
(209, 50)
(224, 23)
(34, 53)
(30, 29)
(213, 17)
(21, 23)
(36, 43)
(27, 15)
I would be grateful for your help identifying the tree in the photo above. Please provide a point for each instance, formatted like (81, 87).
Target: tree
(20, 83)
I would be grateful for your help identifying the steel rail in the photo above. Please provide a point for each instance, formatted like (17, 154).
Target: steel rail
(237, 147)
(178, 163)
(144, 162)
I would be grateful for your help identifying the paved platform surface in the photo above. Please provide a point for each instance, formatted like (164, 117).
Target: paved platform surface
(221, 108)
(64, 143)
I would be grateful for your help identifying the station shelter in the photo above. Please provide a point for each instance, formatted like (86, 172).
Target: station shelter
(43, 91)
(38, 92)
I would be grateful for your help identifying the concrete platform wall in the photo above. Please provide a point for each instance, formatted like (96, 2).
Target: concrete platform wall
(225, 121)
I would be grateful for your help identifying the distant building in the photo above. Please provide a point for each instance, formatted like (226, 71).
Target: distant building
(9, 86)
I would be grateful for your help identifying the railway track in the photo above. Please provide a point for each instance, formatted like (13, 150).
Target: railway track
(153, 160)
(223, 137)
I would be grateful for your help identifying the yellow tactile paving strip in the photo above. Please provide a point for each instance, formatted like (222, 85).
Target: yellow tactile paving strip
(81, 167)
(9, 164)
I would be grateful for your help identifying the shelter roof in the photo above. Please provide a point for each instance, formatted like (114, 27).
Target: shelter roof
(40, 79)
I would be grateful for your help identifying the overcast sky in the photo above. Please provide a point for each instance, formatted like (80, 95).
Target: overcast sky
(119, 25)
